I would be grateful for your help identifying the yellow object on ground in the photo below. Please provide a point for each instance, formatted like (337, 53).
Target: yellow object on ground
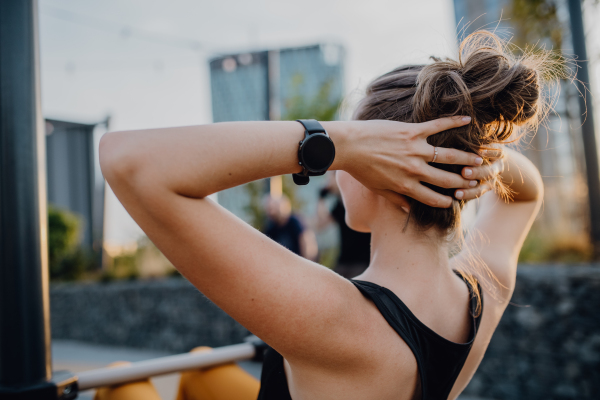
(224, 382)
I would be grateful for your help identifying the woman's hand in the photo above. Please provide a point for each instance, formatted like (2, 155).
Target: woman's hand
(485, 174)
(391, 159)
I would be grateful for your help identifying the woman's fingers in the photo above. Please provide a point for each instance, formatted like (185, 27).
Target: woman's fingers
(483, 172)
(420, 193)
(473, 193)
(451, 156)
(442, 124)
(431, 198)
(397, 199)
(492, 154)
(445, 179)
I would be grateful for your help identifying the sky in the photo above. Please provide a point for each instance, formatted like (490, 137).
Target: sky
(144, 63)
(93, 66)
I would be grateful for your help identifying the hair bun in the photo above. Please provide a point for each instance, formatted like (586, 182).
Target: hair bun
(487, 83)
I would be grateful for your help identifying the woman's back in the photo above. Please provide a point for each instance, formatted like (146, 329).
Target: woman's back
(409, 331)
(405, 180)
(398, 335)
(403, 358)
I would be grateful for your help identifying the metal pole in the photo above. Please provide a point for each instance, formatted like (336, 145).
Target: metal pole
(25, 367)
(24, 305)
(587, 120)
(165, 365)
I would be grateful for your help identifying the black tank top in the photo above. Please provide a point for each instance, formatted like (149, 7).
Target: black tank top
(439, 360)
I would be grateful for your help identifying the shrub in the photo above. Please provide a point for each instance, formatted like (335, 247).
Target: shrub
(555, 248)
(65, 258)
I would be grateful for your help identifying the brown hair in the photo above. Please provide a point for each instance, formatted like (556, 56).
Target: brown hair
(496, 89)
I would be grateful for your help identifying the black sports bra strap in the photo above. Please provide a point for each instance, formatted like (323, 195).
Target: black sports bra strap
(439, 360)
(476, 309)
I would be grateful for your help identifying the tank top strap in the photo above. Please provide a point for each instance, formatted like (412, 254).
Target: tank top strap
(395, 313)
(475, 307)
(439, 360)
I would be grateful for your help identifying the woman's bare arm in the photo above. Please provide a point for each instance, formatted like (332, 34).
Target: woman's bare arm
(384, 155)
(163, 176)
(501, 226)
(496, 238)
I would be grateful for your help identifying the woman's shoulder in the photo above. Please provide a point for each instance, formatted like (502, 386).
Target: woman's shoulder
(372, 361)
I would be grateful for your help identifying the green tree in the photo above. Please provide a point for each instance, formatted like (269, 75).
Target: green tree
(66, 259)
(536, 21)
(255, 208)
(322, 107)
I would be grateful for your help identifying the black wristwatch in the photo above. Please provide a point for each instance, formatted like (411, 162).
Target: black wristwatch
(316, 152)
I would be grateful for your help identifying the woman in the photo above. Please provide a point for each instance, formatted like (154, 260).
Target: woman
(415, 324)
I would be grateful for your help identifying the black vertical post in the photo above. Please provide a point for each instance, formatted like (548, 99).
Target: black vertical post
(24, 304)
(587, 119)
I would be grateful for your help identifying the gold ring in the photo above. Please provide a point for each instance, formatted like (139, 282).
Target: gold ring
(435, 154)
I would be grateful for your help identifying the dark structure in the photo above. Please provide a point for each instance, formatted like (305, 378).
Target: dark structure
(25, 367)
(75, 182)
(24, 319)
(587, 122)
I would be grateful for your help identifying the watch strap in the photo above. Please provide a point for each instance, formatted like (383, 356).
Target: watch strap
(312, 126)
(300, 179)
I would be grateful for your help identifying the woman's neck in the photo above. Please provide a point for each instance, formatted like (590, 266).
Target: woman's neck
(404, 255)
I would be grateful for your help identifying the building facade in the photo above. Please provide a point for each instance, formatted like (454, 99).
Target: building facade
(274, 85)
(74, 180)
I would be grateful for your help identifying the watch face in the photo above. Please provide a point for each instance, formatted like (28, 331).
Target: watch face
(318, 152)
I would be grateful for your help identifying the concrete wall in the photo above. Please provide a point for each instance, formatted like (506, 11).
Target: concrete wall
(167, 315)
(547, 345)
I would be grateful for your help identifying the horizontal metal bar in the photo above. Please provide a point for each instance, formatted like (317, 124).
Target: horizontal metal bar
(164, 365)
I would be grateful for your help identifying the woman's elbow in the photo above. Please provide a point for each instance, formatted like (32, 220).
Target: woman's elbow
(528, 180)
(117, 158)
(536, 186)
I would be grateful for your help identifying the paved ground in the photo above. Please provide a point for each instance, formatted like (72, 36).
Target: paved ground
(77, 357)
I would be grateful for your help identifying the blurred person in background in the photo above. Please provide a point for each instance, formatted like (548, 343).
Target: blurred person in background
(355, 247)
(415, 325)
(285, 228)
